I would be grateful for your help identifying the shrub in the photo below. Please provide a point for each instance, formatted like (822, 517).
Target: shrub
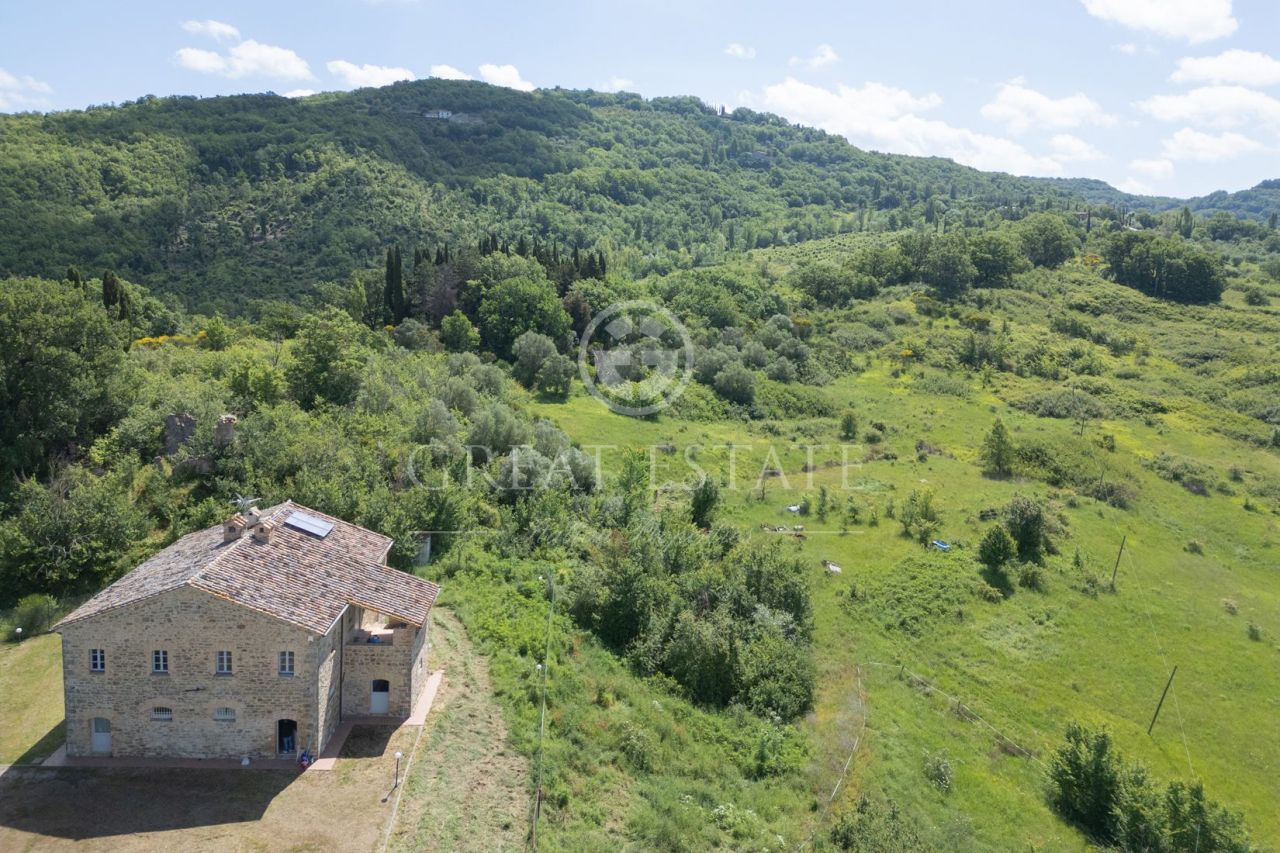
(415, 335)
(703, 502)
(1121, 805)
(997, 548)
(735, 383)
(1032, 577)
(1085, 780)
(1255, 632)
(848, 426)
(937, 769)
(873, 826)
(34, 614)
(918, 516)
(1024, 519)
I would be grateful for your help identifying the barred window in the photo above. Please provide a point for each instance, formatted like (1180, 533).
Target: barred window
(161, 713)
(97, 660)
(227, 715)
(160, 661)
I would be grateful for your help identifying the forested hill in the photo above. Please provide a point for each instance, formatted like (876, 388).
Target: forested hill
(224, 199)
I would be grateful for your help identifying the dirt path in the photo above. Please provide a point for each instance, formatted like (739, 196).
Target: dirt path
(468, 789)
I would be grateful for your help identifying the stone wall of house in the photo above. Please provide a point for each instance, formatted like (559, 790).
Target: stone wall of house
(362, 663)
(328, 681)
(192, 626)
(418, 677)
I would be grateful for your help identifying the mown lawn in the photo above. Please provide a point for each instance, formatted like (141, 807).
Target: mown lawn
(31, 685)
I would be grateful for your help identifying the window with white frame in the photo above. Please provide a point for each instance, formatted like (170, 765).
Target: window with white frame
(161, 714)
(97, 660)
(224, 663)
(286, 663)
(225, 715)
(160, 661)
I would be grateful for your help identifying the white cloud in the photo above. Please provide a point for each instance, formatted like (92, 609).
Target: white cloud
(299, 93)
(1188, 144)
(247, 59)
(1072, 149)
(505, 75)
(1247, 67)
(1218, 106)
(1156, 169)
(740, 51)
(823, 54)
(1194, 20)
(1127, 48)
(448, 72)
(617, 84)
(215, 30)
(21, 93)
(367, 75)
(1020, 108)
(884, 118)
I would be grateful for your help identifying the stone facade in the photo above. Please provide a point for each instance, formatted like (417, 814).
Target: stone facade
(396, 660)
(331, 679)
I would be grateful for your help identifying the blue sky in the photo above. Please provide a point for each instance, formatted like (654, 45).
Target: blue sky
(1176, 97)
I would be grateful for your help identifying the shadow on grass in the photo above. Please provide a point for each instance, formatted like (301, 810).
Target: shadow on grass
(80, 803)
(998, 578)
(367, 741)
(45, 746)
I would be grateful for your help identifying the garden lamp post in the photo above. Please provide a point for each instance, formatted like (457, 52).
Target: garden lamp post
(18, 631)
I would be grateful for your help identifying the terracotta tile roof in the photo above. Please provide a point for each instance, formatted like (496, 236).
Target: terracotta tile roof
(297, 577)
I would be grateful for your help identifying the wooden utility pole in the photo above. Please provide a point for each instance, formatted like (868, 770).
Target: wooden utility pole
(1123, 539)
(1160, 704)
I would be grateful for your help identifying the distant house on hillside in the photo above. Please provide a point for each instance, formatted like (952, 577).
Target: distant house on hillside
(440, 114)
(254, 637)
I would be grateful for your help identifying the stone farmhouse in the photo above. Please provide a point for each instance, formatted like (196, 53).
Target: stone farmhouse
(252, 638)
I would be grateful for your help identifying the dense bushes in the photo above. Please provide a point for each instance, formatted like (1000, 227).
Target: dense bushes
(1165, 267)
(727, 630)
(1118, 803)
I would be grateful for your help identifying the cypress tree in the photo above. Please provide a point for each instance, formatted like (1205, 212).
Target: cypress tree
(110, 290)
(393, 301)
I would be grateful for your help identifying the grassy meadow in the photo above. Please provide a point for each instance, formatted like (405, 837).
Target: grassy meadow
(988, 686)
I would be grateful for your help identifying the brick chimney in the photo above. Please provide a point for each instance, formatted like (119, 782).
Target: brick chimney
(234, 528)
(262, 531)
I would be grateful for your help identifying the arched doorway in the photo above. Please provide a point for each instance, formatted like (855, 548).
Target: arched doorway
(100, 737)
(380, 696)
(286, 737)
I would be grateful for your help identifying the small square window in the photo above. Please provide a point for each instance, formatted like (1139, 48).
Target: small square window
(160, 661)
(97, 660)
(226, 715)
(224, 663)
(161, 714)
(286, 663)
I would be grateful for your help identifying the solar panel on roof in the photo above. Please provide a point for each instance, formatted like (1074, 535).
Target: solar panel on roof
(309, 524)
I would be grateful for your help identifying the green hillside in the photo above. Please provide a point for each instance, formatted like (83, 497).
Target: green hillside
(963, 464)
(222, 200)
